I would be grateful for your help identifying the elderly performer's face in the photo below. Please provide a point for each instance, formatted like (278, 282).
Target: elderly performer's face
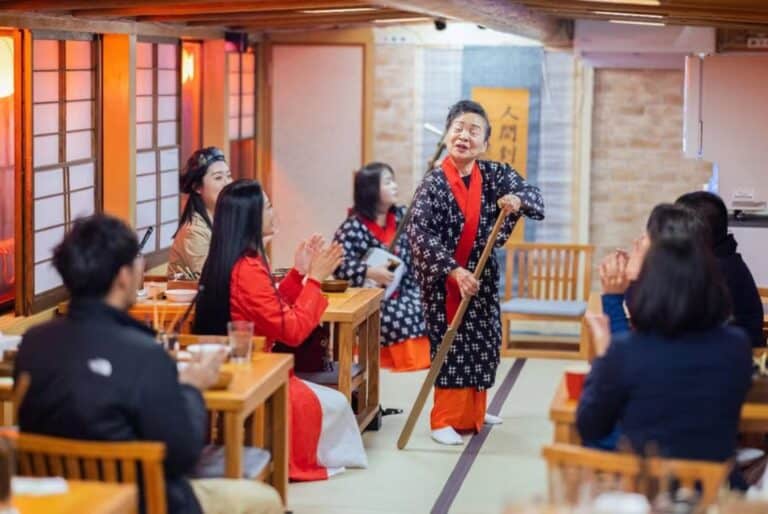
(465, 139)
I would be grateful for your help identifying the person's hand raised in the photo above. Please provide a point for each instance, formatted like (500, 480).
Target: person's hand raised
(613, 272)
(325, 261)
(306, 250)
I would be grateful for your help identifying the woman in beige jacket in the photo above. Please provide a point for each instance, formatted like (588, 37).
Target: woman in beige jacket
(205, 175)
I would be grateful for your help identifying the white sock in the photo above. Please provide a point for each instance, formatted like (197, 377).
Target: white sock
(490, 419)
(448, 436)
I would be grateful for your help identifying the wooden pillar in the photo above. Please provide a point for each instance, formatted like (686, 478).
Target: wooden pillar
(215, 99)
(119, 125)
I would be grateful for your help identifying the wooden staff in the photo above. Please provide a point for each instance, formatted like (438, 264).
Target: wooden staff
(445, 345)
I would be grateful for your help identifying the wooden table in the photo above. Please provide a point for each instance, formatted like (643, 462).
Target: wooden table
(357, 312)
(82, 497)
(562, 413)
(264, 380)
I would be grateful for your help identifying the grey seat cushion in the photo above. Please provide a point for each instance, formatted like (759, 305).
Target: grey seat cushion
(328, 377)
(544, 307)
(211, 462)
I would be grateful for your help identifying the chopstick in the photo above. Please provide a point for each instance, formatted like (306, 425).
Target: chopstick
(145, 238)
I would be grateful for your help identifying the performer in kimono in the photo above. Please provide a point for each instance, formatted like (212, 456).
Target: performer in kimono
(238, 285)
(454, 211)
(372, 223)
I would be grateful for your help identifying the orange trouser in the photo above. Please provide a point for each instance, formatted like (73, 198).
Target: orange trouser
(408, 355)
(463, 409)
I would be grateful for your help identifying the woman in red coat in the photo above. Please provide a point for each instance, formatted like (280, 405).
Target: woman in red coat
(237, 285)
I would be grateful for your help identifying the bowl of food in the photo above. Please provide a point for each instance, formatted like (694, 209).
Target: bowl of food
(180, 295)
(198, 351)
(334, 286)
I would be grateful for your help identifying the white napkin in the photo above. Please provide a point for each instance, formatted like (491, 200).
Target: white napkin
(38, 486)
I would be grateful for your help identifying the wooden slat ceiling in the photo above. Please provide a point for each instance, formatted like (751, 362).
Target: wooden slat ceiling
(715, 13)
(545, 20)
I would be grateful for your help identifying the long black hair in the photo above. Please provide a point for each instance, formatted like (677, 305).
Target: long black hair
(680, 287)
(368, 188)
(191, 180)
(237, 231)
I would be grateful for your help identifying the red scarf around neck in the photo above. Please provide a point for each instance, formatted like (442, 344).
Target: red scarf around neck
(384, 234)
(469, 201)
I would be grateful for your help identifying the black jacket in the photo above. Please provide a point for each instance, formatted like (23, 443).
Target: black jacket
(97, 374)
(747, 306)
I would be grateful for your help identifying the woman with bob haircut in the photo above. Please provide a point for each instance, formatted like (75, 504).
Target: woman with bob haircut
(372, 223)
(678, 380)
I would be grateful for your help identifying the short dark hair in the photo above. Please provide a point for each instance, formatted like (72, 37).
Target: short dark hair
(712, 211)
(668, 220)
(680, 288)
(465, 106)
(92, 254)
(368, 188)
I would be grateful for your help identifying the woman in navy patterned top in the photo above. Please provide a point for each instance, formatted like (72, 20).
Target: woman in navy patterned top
(372, 223)
(454, 212)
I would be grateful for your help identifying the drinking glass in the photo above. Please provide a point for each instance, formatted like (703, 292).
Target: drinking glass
(240, 334)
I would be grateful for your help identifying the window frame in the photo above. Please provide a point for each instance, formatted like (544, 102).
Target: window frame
(239, 146)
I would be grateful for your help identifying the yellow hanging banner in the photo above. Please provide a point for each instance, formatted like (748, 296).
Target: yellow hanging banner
(508, 111)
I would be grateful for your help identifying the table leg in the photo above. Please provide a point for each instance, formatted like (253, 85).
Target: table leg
(374, 347)
(346, 350)
(278, 407)
(364, 334)
(233, 444)
(257, 428)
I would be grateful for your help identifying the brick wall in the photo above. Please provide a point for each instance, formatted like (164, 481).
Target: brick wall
(395, 111)
(637, 159)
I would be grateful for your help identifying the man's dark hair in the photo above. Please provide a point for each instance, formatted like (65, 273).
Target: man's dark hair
(465, 106)
(680, 288)
(91, 255)
(711, 209)
(672, 220)
(368, 188)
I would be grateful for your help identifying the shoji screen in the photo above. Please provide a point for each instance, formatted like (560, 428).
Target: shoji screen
(157, 141)
(241, 68)
(7, 172)
(65, 163)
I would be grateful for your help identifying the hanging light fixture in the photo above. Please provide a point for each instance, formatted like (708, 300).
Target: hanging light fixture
(6, 66)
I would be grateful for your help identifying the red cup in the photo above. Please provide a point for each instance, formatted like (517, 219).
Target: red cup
(574, 380)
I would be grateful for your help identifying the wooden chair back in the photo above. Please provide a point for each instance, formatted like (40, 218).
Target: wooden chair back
(259, 342)
(629, 471)
(548, 271)
(43, 456)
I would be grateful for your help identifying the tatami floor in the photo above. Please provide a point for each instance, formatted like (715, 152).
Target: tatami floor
(507, 468)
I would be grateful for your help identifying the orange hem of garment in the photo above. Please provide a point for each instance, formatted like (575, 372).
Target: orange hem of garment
(408, 355)
(460, 408)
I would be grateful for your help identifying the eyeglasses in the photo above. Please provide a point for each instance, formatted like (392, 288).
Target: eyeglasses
(473, 130)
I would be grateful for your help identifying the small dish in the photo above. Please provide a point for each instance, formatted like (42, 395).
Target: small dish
(201, 349)
(180, 295)
(334, 286)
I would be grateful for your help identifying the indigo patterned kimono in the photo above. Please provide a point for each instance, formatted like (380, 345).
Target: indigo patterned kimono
(434, 233)
(401, 315)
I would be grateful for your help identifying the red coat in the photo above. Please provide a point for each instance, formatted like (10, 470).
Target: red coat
(289, 318)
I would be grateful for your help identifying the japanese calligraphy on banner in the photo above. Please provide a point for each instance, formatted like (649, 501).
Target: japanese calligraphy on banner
(508, 111)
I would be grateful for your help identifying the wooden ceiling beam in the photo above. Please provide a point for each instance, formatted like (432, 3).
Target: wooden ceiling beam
(248, 15)
(673, 20)
(219, 7)
(76, 5)
(304, 20)
(669, 9)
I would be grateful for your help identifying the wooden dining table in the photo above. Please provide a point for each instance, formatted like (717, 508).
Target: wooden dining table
(80, 498)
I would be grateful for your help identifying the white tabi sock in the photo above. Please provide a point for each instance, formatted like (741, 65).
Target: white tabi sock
(448, 436)
(490, 419)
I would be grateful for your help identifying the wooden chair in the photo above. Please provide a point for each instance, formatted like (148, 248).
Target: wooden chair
(545, 282)
(629, 471)
(43, 456)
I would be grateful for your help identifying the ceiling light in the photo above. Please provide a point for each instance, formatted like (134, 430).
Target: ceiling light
(632, 22)
(341, 10)
(629, 14)
(402, 20)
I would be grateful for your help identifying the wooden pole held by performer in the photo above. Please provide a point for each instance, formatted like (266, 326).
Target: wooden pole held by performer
(445, 345)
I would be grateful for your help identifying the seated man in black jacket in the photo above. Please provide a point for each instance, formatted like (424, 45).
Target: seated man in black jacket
(747, 306)
(97, 374)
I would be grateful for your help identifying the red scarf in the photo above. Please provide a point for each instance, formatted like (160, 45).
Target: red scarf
(469, 201)
(384, 234)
